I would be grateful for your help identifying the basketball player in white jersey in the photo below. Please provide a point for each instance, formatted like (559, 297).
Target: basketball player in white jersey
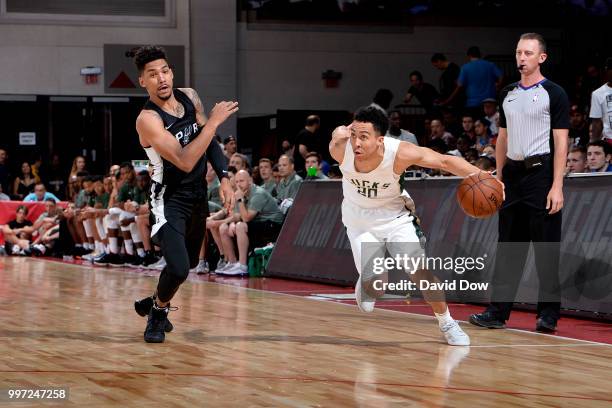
(374, 209)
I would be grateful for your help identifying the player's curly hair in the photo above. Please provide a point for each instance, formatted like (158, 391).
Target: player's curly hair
(375, 116)
(146, 54)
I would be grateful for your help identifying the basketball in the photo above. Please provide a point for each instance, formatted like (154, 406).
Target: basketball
(480, 195)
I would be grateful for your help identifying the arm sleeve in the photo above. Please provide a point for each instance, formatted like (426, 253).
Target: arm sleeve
(596, 111)
(559, 108)
(217, 159)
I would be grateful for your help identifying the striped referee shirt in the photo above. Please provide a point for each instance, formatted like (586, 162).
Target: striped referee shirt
(530, 114)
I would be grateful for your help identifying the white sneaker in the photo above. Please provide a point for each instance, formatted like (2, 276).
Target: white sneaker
(364, 302)
(455, 336)
(221, 264)
(202, 268)
(159, 265)
(90, 257)
(236, 270)
(224, 268)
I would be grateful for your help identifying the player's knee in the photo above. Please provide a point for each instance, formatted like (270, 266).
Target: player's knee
(242, 227)
(177, 267)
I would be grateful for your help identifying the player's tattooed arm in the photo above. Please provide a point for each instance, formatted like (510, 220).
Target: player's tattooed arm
(151, 132)
(199, 106)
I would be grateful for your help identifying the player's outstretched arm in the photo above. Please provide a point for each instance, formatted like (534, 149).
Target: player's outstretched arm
(151, 131)
(337, 146)
(410, 155)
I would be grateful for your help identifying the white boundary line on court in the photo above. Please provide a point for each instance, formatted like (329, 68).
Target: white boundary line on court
(328, 300)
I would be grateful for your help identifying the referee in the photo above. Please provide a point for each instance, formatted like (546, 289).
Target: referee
(531, 152)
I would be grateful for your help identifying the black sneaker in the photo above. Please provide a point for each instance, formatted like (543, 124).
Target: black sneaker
(116, 260)
(546, 324)
(143, 307)
(80, 251)
(149, 259)
(488, 320)
(104, 260)
(133, 261)
(156, 324)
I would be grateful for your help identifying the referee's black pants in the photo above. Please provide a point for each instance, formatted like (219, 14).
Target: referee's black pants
(524, 220)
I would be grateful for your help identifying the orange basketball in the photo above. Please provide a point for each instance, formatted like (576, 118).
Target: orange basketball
(480, 195)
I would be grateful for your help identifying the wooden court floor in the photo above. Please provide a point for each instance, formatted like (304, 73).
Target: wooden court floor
(74, 326)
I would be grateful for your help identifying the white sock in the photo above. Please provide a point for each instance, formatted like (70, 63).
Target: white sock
(140, 252)
(89, 245)
(78, 245)
(129, 246)
(99, 247)
(100, 227)
(444, 318)
(135, 233)
(113, 244)
(88, 230)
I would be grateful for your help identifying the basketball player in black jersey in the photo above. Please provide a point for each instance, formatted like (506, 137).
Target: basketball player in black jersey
(176, 136)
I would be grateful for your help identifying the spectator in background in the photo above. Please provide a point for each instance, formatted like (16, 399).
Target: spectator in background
(307, 140)
(4, 171)
(471, 155)
(467, 123)
(489, 151)
(448, 79)
(56, 177)
(438, 131)
(489, 107)
(289, 184)
(451, 124)
(229, 146)
(3, 197)
(482, 131)
(17, 233)
(601, 108)
(239, 161)
(577, 160)
(485, 163)
(45, 227)
(276, 174)
(260, 223)
(438, 145)
(40, 194)
(463, 145)
(25, 182)
(426, 93)
(480, 80)
(313, 165)
(78, 166)
(396, 132)
(382, 99)
(267, 177)
(579, 128)
(212, 187)
(598, 157)
(334, 172)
